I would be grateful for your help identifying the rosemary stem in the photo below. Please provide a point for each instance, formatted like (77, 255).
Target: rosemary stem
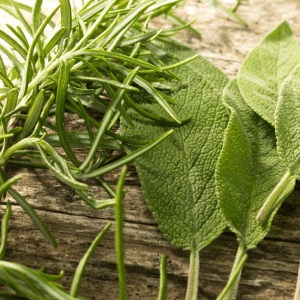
(28, 142)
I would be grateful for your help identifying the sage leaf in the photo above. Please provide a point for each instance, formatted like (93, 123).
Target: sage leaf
(248, 169)
(288, 135)
(177, 176)
(287, 122)
(265, 68)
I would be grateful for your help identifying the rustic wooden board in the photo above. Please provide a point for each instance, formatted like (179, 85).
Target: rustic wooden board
(271, 270)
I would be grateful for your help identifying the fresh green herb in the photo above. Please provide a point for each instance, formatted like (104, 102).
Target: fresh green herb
(288, 138)
(4, 229)
(162, 295)
(229, 13)
(119, 238)
(77, 67)
(248, 169)
(82, 264)
(177, 176)
(88, 62)
(266, 67)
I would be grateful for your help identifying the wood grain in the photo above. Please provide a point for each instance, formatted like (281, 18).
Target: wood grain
(271, 270)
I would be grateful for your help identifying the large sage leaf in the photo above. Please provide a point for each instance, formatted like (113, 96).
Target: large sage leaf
(248, 169)
(265, 68)
(177, 176)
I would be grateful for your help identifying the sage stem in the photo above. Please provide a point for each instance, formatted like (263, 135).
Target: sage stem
(234, 277)
(240, 256)
(192, 289)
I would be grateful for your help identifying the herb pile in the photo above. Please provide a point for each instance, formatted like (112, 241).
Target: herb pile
(205, 148)
(228, 165)
(93, 58)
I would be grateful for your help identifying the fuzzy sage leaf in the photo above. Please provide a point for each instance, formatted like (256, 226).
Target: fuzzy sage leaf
(177, 176)
(248, 169)
(265, 68)
(288, 138)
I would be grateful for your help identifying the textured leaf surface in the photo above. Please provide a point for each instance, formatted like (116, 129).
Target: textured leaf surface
(265, 68)
(288, 120)
(248, 169)
(178, 175)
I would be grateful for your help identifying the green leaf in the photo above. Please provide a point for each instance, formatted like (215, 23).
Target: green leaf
(83, 262)
(23, 7)
(119, 236)
(33, 215)
(30, 53)
(33, 115)
(287, 122)
(4, 229)
(287, 134)
(19, 36)
(134, 14)
(4, 186)
(226, 12)
(66, 19)
(12, 42)
(83, 138)
(107, 119)
(177, 21)
(54, 40)
(127, 159)
(116, 56)
(30, 283)
(96, 23)
(11, 101)
(265, 68)
(65, 177)
(152, 91)
(36, 14)
(15, 61)
(88, 13)
(177, 176)
(60, 109)
(21, 17)
(94, 203)
(6, 81)
(248, 169)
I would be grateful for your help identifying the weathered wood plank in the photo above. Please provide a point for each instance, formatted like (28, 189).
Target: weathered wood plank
(271, 270)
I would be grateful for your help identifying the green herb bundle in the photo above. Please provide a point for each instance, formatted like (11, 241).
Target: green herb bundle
(220, 171)
(220, 162)
(90, 63)
(93, 58)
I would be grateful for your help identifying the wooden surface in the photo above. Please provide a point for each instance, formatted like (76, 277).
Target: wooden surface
(271, 270)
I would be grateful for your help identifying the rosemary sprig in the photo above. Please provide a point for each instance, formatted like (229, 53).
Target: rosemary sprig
(86, 64)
